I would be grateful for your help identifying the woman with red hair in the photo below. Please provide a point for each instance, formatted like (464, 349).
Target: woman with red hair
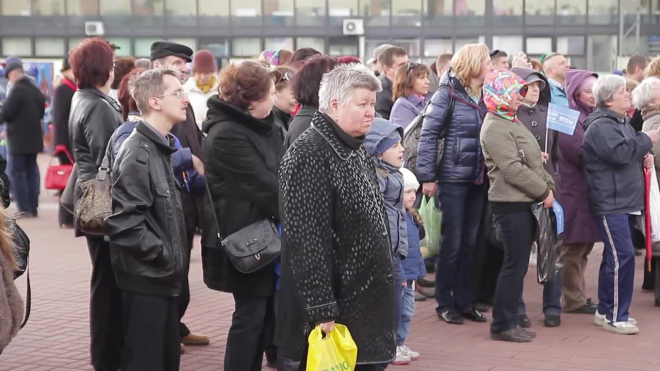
(94, 117)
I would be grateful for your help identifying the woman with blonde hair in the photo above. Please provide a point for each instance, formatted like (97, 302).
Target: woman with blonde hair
(410, 88)
(456, 115)
(11, 303)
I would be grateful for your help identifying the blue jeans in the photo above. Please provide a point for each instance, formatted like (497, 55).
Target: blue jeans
(461, 205)
(617, 269)
(407, 310)
(551, 298)
(24, 176)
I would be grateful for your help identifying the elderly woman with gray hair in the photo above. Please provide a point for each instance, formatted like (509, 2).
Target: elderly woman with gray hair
(336, 255)
(612, 158)
(646, 98)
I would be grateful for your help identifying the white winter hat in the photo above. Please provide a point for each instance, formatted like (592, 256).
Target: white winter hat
(409, 179)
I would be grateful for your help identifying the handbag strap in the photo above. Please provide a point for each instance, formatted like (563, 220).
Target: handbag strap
(60, 148)
(215, 216)
(28, 296)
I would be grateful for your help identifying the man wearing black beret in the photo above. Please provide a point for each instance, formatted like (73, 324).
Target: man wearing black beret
(165, 54)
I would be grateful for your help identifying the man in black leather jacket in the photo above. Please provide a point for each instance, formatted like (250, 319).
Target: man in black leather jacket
(147, 231)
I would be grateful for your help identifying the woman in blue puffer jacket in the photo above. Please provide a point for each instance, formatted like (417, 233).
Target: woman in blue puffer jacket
(456, 114)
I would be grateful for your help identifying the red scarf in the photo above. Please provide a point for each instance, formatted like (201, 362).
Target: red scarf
(69, 83)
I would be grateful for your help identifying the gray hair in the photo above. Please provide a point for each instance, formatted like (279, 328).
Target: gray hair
(605, 88)
(148, 84)
(341, 82)
(642, 96)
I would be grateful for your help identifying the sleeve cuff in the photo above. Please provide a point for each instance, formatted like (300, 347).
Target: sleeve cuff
(322, 313)
(186, 158)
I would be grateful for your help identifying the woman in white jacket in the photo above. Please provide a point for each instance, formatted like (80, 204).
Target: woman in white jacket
(202, 85)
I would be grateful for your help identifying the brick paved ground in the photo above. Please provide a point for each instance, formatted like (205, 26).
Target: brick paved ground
(56, 337)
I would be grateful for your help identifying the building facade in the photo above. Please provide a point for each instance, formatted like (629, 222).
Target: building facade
(585, 30)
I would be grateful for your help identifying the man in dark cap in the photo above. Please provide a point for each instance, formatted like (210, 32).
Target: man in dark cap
(61, 108)
(165, 54)
(22, 112)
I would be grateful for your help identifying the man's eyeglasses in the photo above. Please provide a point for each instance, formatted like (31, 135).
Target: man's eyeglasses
(181, 94)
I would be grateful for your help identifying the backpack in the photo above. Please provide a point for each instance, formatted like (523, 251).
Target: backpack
(413, 131)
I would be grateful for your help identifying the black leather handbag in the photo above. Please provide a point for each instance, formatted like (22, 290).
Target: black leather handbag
(252, 247)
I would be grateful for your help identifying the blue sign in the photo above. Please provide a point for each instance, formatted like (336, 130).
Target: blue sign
(562, 119)
(559, 216)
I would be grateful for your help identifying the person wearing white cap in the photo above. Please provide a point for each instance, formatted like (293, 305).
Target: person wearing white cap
(373, 61)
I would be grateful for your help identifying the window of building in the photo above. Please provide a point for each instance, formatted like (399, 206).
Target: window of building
(82, 7)
(247, 12)
(509, 44)
(570, 45)
(539, 45)
(75, 41)
(49, 47)
(124, 44)
(116, 12)
(604, 12)
(143, 46)
(218, 46)
(376, 12)
(436, 47)
(19, 46)
(340, 9)
(508, 12)
(147, 8)
(246, 47)
(407, 13)
(15, 7)
(343, 45)
(470, 12)
(412, 46)
(438, 12)
(278, 12)
(181, 13)
(539, 13)
(602, 53)
(213, 12)
(275, 43)
(572, 11)
(632, 7)
(371, 45)
(48, 7)
(317, 43)
(468, 40)
(310, 12)
(189, 42)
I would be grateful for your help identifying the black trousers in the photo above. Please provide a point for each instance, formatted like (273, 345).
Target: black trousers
(191, 211)
(105, 323)
(518, 231)
(152, 340)
(248, 333)
(486, 262)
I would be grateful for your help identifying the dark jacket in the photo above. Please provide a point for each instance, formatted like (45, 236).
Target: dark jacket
(61, 110)
(462, 161)
(413, 266)
(612, 159)
(384, 101)
(4, 183)
(580, 226)
(336, 259)
(282, 120)
(189, 134)
(241, 156)
(534, 118)
(146, 229)
(299, 124)
(94, 117)
(22, 112)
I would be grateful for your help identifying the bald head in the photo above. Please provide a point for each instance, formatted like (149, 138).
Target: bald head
(555, 67)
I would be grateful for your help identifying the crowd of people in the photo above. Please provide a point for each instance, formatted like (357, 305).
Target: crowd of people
(293, 170)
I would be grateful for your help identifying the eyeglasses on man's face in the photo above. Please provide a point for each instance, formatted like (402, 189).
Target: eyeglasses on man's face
(181, 94)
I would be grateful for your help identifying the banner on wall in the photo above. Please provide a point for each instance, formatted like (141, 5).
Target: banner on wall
(42, 73)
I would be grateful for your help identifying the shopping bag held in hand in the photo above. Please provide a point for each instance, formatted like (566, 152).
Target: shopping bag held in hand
(432, 218)
(337, 352)
(550, 224)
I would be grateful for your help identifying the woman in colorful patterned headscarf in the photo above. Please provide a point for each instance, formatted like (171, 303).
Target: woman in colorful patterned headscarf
(517, 180)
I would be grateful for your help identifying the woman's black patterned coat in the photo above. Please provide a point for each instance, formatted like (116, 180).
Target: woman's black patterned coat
(336, 257)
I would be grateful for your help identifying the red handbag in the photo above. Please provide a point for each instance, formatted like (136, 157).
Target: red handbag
(58, 175)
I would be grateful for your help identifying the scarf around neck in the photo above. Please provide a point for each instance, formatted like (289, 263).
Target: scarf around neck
(205, 88)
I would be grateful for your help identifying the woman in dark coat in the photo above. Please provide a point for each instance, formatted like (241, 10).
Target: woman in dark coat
(241, 156)
(61, 110)
(94, 117)
(581, 232)
(306, 90)
(336, 259)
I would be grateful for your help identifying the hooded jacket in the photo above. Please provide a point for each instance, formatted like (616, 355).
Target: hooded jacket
(572, 193)
(405, 110)
(513, 156)
(241, 156)
(390, 182)
(612, 155)
(534, 118)
(462, 161)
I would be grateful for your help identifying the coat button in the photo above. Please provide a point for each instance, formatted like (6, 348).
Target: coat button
(538, 137)
(535, 124)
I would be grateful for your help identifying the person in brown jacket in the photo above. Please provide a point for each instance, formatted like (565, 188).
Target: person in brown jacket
(11, 303)
(517, 179)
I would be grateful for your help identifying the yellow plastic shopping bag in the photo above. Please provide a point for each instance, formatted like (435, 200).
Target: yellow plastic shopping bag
(337, 352)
